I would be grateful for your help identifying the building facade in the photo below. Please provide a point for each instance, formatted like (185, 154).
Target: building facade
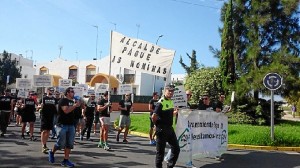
(97, 71)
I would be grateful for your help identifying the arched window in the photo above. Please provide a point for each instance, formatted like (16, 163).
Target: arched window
(44, 70)
(73, 72)
(90, 72)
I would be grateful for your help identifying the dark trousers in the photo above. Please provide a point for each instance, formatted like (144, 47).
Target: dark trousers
(88, 127)
(4, 120)
(164, 135)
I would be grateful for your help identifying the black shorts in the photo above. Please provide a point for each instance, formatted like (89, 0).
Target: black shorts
(96, 118)
(28, 116)
(151, 123)
(46, 125)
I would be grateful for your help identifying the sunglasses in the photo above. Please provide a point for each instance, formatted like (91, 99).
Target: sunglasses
(71, 91)
(205, 98)
(189, 94)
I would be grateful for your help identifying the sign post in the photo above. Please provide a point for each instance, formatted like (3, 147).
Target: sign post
(272, 81)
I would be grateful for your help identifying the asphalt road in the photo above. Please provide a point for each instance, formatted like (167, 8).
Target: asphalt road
(15, 152)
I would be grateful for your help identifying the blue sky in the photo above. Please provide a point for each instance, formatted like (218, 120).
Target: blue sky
(37, 28)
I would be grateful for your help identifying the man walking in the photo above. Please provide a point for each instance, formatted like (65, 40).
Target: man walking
(152, 104)
(6, 108)
(125, 106)
(163, 119)
(88, 116)
(47, 114)
(105, 108)
(65, 127)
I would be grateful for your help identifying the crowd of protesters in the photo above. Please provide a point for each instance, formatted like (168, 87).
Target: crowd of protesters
(66, 115)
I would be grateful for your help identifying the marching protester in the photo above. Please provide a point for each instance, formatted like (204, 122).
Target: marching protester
(65, 127)
(105, 108)
(57, 98)
(6, 108)
(97, 117)
(48, 109)
(189, 106)
(78, 117)
(28, 115)
(152, 104)
(163, 119)
(125, 106)
(88, 116)
(18, 112)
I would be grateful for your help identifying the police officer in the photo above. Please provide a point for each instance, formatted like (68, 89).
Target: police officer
(163, 119)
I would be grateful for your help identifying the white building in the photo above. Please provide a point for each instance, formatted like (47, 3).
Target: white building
(24, 64)
(97, 71)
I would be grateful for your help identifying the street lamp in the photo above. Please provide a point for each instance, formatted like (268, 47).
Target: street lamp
(158, 38)
(154, 77)
(96, 40)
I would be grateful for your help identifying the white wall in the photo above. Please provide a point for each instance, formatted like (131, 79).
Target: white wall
(143, 82)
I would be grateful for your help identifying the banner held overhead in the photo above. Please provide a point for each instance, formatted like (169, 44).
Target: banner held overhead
(140, 55)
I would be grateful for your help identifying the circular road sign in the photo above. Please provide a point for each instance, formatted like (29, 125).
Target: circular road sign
(272, 81)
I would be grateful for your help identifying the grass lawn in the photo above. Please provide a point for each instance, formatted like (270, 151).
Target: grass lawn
(287, 133)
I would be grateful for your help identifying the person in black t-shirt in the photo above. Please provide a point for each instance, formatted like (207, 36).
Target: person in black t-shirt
(105, 108)
(47, 114)
(125, 106)
(88, 116)
(65, 127)
(57, 98)
(78, 117)
(152, 104)
(28, 115)
(6, 108)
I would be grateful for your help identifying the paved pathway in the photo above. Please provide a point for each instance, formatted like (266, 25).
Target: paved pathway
(15, 152)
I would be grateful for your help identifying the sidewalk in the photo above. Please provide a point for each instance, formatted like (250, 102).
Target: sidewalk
(290, 117)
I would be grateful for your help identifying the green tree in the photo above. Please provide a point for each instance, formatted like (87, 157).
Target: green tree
(8, 67)
(267, 38)
(204, 80)
(227, 62)
(194, 64)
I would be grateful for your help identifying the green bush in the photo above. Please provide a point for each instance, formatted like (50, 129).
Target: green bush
(239, 118)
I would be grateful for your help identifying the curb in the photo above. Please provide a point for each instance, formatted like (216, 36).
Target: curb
(238, 146)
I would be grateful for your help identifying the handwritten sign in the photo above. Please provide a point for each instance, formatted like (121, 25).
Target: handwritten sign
(22, 83)
(65, 82)
(42, 80)
(179, 98)
(101, 87)
(125, 89)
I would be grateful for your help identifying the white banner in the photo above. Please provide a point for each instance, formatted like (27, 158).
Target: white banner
(42, 80)
(124, 89)
(65, 83)
(201, 134)
(179, 98)
(140, 55)
(101, 87)
(22, 83)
